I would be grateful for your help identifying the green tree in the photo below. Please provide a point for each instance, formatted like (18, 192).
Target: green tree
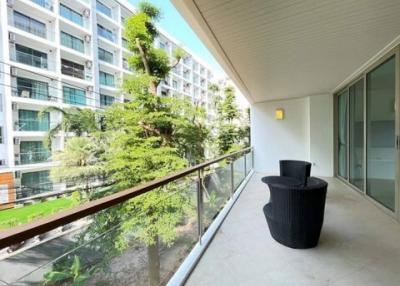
(229, 130)
(80, 162)
(79, 121)
(149, 138)
(140, 32)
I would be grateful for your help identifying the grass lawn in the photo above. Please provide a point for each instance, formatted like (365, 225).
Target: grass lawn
(17, 216)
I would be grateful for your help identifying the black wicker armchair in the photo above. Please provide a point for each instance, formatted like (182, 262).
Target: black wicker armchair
(295, 214)
(296, 169)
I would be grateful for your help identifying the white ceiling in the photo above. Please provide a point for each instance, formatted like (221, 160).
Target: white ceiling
(277, 49)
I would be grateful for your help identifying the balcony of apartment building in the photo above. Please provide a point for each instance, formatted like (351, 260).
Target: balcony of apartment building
(322, 80)
(107, 36)
(32, 56)
(76, 71)
(109, 80)
(75, 42)
(107, 13)
(75, 15)
(33, 89)
(109, 58)
(30, 151)
(43, 9)
(23, 24)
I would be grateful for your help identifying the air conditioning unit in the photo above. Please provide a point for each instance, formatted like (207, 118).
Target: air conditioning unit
(89, 88)
(13, 71)
(88, 38)
(17, 160)
(2, 162)
(25, 93)
(86, 13)
(17, 174)
(88, 64)
(10, 3)
(17, 141)
(14, 106)
(11, 37)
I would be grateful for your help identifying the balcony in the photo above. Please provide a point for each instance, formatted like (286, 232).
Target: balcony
(34, 157)
(72, 69)
(30, 59)
(47, 4)
(212, 189)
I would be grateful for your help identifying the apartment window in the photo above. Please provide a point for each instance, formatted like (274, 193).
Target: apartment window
(33, 152)
(72, 69)
(123, 19)
(29, 24)
(1, 134)
(35, 183)
(32, 88)
(30, 56)
(106, 56)
(106, 100)
(72, 42)
(29, 120)
(105, 33)
(107, 79)
(125, 43)
(74, 96)
(175, 84)
(103, 9)
(71, 15)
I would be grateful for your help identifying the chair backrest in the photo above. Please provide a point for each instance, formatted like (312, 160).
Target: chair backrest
(296, 169)
(296, 203)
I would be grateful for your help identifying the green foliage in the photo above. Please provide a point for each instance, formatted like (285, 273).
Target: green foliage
(229, 128)
(76, 120)
(140, 33)
(79, 161)
(76, 275)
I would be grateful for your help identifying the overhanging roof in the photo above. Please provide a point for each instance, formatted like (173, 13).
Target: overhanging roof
(276, 49)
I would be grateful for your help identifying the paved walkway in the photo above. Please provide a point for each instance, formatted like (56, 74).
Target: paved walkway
(359, 245)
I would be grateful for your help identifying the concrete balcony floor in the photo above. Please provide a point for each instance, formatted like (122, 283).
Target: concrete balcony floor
(359, 245)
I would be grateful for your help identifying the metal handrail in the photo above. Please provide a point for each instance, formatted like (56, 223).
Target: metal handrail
(21, 233)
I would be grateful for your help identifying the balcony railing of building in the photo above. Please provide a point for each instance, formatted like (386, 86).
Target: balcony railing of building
(72, 69)
(33, 157)
(32, 125)
(208, 190)
(28, 24)
(29, 59)
(48, 4)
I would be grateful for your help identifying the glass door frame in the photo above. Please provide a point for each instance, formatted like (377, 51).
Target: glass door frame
(363, 75)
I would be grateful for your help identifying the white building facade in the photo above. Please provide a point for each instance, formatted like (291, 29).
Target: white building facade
(66, 53)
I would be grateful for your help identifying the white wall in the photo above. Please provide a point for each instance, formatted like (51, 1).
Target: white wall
(274, 140)
(306, 133)
(321, 135)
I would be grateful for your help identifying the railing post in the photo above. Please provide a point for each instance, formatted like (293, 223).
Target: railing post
(245, 164)
(200, 203)
(232, 179)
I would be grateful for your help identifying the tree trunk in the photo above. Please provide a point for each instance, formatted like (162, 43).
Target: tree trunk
(153, 257)
(143, 56)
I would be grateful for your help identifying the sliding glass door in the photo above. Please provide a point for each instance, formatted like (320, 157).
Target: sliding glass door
(381, 124)
(356, 134)
(367, 153)
(342, 134)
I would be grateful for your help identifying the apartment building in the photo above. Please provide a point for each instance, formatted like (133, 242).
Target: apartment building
(66, 53)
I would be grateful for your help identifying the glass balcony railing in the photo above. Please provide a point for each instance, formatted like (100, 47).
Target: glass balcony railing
(30, 59)
(29, 25)
(33, 157)
(73, 71)
(32, 125)
(48, 4)
(102, 241)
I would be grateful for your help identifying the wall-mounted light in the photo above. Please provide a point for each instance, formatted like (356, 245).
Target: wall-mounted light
(279, 114)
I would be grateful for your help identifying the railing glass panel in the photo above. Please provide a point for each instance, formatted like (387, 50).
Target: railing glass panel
(142, 239)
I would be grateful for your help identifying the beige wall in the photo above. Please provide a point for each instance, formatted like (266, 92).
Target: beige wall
(306, 133)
